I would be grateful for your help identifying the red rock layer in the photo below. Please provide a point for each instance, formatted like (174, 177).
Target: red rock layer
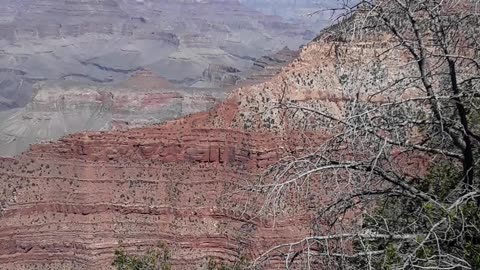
(70, 204)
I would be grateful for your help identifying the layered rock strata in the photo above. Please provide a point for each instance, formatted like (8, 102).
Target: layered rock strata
(71, 203)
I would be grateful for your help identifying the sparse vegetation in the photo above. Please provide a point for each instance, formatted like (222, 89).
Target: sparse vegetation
(240, 264)
(158, 258)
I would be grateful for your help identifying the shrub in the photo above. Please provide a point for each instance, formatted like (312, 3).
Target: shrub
(157, 258)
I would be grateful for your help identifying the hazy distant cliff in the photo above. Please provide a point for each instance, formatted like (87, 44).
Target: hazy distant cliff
(52, 40)
(300, 10)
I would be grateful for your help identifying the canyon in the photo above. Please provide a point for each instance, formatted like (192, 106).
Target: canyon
(106, 41)
(126, 182)
(60, 72)
(69, 204)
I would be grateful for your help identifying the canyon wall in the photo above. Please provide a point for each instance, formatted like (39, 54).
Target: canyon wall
(70, 204)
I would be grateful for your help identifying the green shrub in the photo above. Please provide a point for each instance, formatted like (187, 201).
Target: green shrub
(240, 264)
(157, 258)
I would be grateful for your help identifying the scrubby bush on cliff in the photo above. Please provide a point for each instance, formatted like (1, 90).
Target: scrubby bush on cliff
(240, 264)
(157, 258)
(403, 154)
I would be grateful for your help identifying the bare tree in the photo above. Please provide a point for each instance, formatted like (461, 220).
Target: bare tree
(403, 154)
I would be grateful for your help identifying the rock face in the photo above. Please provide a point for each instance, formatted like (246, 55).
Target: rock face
(53, 40)
(76, 200)
(71, 203)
